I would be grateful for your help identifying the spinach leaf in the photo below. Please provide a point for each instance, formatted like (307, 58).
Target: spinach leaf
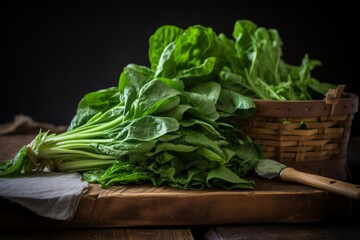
(94, 102)
(162, 37)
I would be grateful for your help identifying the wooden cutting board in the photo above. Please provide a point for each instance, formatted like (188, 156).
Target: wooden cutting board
(273, 201)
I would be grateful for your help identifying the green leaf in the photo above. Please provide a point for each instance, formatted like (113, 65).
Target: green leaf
(167, 146)
(119, 149)
(146, 128)
(135, 75)
(14, 167)
(224, 178)
(166, 66)
(154, 94)
(201, 70)
(93, 103)
(321, 87)
(210, 90)
(209, 128)
(198, 139)
(194, 45)
(202, 104)
(177, 112)
(162, 37)
(242, 33)
(230, 101)
(210, 155)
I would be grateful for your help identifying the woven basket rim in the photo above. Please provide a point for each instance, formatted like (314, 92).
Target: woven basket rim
(307, 108)
(346, 96)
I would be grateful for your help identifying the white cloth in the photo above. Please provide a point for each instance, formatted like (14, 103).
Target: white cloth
(52, 195)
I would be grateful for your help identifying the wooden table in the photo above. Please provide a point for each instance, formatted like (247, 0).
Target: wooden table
(274, 209)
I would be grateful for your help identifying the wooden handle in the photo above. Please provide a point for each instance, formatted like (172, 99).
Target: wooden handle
(320, 182)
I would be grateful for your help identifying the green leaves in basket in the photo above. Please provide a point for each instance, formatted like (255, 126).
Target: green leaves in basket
(263, 73)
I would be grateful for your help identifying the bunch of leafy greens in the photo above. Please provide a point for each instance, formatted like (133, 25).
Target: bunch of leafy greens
(173, 123)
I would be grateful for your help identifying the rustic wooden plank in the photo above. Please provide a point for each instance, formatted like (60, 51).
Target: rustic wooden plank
(116, 233)
(272, 201)
(145, 205)
(15, 235)
(101, 234)
(339, 230)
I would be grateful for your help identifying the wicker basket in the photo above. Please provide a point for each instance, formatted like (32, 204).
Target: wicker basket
(309, 135)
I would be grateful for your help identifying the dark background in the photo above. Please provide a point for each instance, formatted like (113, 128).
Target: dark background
(53, 54)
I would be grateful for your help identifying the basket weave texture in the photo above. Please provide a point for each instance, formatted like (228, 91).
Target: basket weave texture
(309, 135)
